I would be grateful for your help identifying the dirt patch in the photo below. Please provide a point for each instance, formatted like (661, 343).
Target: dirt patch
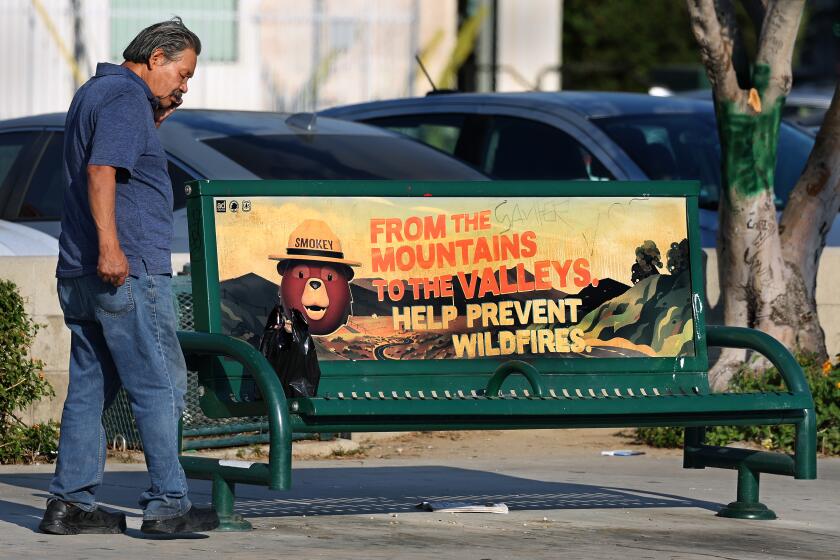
(510, 443)
(439, 445)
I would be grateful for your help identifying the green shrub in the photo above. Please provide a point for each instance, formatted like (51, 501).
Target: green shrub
(824, 380)
(21, 384)
(27, 444)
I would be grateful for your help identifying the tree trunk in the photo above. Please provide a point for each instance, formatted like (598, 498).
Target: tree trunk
(752, 270)
(756, 282)
(808, 216)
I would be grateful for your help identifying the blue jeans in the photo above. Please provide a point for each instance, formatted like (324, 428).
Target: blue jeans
(122, 337)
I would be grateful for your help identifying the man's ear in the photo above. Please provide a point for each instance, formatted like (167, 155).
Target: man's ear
(158, 58)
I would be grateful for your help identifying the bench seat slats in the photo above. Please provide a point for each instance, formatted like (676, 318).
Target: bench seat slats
(602, 393)
(491, 406)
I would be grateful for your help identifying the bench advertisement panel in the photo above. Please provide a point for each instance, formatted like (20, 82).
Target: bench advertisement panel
(422, 278)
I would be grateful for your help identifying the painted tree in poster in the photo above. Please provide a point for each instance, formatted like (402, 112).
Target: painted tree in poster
(767, 267)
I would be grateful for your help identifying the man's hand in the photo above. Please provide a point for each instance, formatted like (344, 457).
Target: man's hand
(112, 266)
(161, 114)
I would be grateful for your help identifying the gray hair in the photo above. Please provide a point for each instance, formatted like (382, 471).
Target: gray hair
(171, 36)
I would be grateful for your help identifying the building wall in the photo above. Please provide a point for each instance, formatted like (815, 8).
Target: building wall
(528, 45)
(290, 55)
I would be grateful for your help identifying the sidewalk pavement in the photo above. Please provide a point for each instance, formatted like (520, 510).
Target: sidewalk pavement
(580, 506)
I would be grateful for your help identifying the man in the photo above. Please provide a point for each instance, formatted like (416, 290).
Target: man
(114, 277)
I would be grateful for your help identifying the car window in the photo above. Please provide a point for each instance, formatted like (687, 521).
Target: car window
(439, 131)
(339, 156)
(44, 198)
(687, 147)
(178, 177)
(795, 145)
(11, 146)
(517, 148)
(803, 114)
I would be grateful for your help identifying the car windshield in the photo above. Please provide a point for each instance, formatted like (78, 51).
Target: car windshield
(340, 156)
(686, 147)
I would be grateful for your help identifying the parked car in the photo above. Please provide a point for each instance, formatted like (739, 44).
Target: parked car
(582, 136)
(219, 145)
(807, 105)
(22, 241)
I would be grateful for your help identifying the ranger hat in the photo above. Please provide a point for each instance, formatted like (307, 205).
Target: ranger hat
(313, 240)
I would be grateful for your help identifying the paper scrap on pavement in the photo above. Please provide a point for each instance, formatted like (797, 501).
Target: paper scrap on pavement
(463, 507)
(622, 453)
(236, 464)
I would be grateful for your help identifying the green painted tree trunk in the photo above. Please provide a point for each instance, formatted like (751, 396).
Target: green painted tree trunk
(767, 277)
(759, 287)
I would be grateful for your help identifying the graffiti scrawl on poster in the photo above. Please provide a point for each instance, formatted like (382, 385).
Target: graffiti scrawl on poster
(398, 278)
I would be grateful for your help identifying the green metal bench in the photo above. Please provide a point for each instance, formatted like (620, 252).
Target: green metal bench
(644, 364)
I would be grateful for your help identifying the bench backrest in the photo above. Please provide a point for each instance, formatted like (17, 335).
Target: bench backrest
(431, 286)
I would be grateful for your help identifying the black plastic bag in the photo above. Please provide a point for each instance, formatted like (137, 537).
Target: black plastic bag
(290, 350)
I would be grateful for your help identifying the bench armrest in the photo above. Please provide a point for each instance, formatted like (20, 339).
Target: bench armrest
(767, 346)
(280, 432)
(515, 366)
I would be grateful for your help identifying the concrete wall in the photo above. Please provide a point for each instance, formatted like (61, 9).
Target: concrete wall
(35, 277)
(828, 296)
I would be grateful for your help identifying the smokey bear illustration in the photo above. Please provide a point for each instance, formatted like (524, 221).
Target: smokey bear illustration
(316, 276)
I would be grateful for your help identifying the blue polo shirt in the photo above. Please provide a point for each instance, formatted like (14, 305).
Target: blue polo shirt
(111, 122)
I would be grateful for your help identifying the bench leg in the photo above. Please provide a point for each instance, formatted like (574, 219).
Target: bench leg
(223, 499)
(694, 438)
(806, 446)
(747, 506)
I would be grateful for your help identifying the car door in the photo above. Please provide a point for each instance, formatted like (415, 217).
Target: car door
(38, 200)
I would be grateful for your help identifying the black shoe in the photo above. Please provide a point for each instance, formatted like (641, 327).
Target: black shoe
(194, 521)
(64, 518)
